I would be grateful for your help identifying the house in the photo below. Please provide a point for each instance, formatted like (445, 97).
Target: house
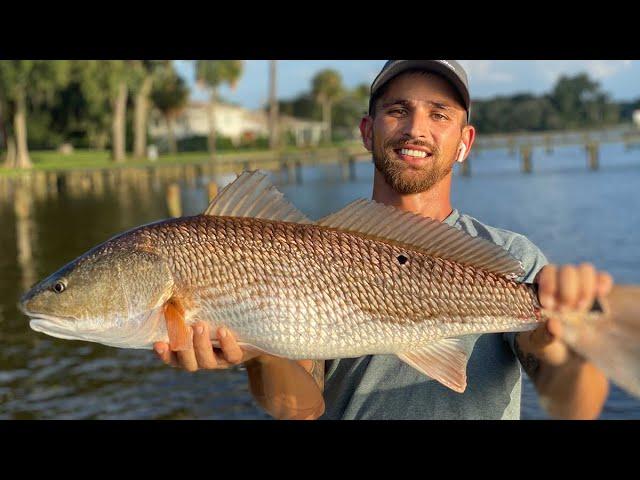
(234, 122)
(636, 118)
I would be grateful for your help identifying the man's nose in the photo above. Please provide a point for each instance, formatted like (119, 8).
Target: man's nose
(417, 126)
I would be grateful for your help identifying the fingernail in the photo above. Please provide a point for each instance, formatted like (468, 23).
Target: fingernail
(547, 301)
(548, 336)
(223, 332)
(584, 304)
(199, 329)
(160, 350)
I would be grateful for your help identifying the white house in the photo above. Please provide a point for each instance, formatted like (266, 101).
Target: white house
(636, 118)
(234, 122)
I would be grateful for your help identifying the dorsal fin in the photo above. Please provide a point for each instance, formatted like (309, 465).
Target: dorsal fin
(431, 236)
(253, 195)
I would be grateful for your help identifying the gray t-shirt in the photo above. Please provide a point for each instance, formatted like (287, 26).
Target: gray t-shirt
(384, 387)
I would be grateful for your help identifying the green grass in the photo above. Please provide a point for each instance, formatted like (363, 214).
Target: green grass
(99, 159)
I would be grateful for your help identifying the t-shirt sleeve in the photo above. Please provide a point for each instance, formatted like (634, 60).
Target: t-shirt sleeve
(532, 260)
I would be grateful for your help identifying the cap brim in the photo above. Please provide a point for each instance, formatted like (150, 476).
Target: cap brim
(428, 65)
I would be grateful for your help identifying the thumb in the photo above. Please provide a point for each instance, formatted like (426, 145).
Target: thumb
(541, 337)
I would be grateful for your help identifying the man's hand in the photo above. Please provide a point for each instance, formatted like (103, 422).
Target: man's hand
(203, 355)
(561, 289)
(287, 389)
(569, 386)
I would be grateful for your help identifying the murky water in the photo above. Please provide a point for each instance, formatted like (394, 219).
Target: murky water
(573, 214)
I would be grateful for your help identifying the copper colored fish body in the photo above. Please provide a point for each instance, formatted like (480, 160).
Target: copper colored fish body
(366, 280)
(306, 291)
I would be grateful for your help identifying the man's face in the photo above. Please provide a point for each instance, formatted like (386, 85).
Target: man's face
(416, 132)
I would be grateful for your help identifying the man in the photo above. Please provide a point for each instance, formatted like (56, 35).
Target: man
(416, 129)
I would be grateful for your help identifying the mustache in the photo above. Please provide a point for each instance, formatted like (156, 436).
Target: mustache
(395, 144)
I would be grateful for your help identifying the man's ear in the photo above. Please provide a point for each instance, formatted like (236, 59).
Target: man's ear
(366, 131)
(468, 137)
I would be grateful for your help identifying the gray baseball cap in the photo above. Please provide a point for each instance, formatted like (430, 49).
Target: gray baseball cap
(449, 69)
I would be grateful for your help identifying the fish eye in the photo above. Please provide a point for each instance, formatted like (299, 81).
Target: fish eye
(59, 286)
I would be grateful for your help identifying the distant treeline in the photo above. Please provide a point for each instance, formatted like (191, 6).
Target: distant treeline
(574, 103)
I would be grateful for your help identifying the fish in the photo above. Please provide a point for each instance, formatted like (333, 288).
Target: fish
(368, 279)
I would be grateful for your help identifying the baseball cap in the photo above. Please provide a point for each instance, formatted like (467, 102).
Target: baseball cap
(449, 69)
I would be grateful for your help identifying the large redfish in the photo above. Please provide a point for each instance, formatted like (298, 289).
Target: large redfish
(368, 279)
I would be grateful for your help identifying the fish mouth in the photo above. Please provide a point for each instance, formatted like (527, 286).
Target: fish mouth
(59, 327)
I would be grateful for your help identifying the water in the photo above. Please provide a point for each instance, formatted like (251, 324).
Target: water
(572, 214)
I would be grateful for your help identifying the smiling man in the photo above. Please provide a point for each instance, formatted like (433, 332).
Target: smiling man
(417, 128)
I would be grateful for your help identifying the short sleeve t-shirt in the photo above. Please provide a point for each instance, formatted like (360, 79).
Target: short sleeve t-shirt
(384, 387)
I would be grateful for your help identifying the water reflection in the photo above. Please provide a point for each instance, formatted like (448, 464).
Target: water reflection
(25, 231)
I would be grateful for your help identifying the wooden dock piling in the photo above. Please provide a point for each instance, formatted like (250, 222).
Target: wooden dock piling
(593, 156)
(348, 166)
(174, 202)
(466, 167)
(526, 153)
(212, 190)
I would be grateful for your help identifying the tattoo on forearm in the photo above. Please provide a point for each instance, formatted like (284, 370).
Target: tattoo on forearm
(530, 362)
(317, 372)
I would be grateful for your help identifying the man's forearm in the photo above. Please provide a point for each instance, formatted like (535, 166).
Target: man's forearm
(576, 389)
(287, 389)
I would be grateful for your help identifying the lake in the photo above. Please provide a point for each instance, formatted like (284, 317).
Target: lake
(571, 213)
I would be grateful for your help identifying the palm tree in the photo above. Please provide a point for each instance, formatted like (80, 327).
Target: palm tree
(22, 80)
(146, 72)
(327, 88)
(170, 95)
(273, 106)
(93, 77)
(120, 78)
(212, 74)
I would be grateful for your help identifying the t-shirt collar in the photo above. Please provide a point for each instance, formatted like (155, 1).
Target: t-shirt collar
(452, 218)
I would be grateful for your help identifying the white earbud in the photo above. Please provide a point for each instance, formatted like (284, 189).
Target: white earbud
(461, 152)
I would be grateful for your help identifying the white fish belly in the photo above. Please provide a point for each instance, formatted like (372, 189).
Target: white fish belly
(309, 329)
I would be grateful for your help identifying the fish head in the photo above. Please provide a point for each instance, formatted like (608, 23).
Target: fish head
(107, 296)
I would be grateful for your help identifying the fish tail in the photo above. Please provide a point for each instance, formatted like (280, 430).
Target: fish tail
(609, 335)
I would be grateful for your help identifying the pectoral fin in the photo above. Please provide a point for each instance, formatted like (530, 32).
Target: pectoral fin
(179, 334)
(444, 361)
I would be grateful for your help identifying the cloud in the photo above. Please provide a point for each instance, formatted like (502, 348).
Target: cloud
(485, 71)
(597, 69)
(606, 68)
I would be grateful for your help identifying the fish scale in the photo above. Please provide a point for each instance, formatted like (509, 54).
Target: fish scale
(361, 295)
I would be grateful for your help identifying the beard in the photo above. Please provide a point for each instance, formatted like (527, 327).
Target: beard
(408, 179)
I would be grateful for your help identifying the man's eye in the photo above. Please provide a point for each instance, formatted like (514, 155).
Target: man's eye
(439, 116)
(398, 111)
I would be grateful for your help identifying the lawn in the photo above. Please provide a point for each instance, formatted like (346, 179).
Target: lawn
(99, 159)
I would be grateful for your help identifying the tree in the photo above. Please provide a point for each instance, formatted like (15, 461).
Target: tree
(302, 106)
(571, 95)
(212, 74)
(170, 95)
(144, 73)
(118, 91)
(105, 83)
(349, 109)
(7, 141)
(273, 106)
(23, 80)
(326, 89)
(93, 79)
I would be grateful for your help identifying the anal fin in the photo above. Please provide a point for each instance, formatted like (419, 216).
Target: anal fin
(179, 333)
(444, 360)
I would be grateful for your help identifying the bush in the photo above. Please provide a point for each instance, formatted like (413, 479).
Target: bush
(199, 143)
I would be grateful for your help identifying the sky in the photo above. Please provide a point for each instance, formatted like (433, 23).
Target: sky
(487, 78)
